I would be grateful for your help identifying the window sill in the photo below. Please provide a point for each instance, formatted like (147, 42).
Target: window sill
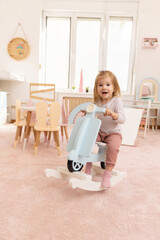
(74, 92)
(86, 94)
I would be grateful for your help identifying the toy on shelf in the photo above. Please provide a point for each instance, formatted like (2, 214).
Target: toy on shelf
(80, 148)
(150, 43)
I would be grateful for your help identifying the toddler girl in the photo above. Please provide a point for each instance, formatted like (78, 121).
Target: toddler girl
(106, 95)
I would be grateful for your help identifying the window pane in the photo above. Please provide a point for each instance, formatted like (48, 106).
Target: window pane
(57, 51)
(119, 45)
(87, 50)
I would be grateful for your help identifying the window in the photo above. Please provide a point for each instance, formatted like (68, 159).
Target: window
(87, 50)
(57, 51)
(119, 47)
(86, 42)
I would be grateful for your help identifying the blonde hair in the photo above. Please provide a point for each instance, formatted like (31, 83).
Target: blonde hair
(104, 74)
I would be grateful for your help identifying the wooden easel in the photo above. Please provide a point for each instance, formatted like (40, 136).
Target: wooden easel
(48, 88)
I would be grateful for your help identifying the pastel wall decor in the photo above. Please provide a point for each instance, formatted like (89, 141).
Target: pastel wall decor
(18, 48)
(150, 43)
(154, 88)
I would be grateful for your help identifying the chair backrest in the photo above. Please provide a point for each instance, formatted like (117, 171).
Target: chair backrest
(41, 114)
(146, 91)
(41, 91)
(18, 110)
(55, 110)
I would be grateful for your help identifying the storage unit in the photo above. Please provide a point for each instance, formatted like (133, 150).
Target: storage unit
(3, 108)
(7, 79)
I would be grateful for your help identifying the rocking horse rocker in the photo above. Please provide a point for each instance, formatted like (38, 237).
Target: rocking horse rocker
(80, 148)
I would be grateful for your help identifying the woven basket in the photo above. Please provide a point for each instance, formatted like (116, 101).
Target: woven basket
(18, 49)
(75, 101)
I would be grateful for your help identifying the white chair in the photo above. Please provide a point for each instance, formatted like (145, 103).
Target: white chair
(42, 124)
(144, 125)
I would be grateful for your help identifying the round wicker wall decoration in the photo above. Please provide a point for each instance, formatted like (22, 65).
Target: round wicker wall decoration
(18, 48)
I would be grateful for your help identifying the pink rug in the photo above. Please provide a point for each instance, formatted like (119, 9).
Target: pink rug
(33, 207)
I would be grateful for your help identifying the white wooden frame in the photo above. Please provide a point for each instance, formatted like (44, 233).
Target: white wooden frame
(74, 16)
(104, 16)
(133, 46)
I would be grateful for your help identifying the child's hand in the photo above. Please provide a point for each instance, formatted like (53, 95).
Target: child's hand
(84, 112)
(109, 112)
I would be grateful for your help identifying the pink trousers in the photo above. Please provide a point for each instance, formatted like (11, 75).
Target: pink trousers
(113, 141)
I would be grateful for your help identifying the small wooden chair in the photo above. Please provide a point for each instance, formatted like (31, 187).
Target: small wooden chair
(44, 92)
(20, 123)
(43, 126)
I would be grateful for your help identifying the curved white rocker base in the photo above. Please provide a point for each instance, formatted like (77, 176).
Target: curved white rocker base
(82, 180)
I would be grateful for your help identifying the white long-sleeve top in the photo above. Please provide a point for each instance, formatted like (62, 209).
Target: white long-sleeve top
(108, 124)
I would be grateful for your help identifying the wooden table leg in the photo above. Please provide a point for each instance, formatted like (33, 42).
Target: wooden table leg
(27, 128)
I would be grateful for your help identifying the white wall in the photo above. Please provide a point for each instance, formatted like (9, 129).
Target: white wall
(147, 61)
(28, 13)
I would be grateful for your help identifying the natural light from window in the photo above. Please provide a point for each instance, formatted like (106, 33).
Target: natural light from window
(57, 51)
(87, 50)
(119, 47)
(87, 43)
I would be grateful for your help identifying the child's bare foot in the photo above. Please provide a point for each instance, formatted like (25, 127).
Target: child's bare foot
(88, 168)
(106, 179)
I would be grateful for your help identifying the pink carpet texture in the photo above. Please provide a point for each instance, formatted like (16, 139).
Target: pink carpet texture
(33, 207)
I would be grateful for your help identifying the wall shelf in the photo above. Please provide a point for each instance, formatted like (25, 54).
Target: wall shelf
(150, 43)
(6, 78)
(11, 76)
(3, 107)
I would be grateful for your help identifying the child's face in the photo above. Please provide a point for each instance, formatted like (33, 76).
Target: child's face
(105, 89)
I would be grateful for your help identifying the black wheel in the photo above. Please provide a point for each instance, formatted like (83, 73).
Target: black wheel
(74, 166)
(103, 165)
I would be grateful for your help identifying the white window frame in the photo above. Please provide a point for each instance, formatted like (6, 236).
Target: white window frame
(103, 42)
(133, 47)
